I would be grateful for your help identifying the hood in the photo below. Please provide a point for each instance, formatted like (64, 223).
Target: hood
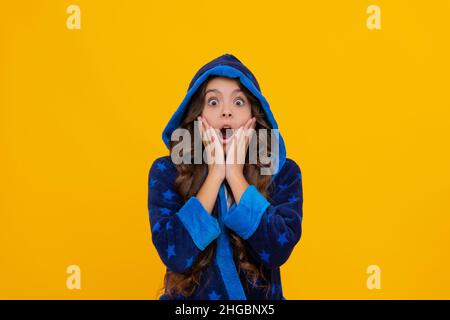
(229, 66)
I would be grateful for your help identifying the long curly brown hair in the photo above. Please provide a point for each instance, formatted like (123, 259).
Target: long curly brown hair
(188, 182)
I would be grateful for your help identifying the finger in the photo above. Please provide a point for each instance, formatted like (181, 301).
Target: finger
(249, 126)
(231, 151)
(200, 127)
(248, 123)
(217, 143)
(212, 132)
(206, 122)
(253, 125)
(251, 131)
(208, 127)
(202, 120)
(209, 147)
(239, 132)
(208, 136)
(237, 144)
(216, 131)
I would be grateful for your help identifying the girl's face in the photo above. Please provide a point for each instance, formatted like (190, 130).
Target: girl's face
(225, 105)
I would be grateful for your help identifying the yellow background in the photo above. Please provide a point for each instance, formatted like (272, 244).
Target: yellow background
(365, 113)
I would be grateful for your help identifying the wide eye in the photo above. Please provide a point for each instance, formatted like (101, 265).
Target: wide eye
(239, 102)
(213, 102)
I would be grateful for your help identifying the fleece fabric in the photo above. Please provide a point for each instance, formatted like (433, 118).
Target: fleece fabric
(271, 227)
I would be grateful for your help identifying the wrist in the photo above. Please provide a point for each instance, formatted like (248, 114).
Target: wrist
(238, 185)
(214, 177)
(235, 177)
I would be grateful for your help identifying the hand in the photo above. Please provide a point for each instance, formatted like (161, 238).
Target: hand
(237, 150)
(214, 151)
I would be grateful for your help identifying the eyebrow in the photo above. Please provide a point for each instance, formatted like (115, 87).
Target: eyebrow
(218, 91)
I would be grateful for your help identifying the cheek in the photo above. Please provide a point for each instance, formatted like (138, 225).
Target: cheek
(210, 116)
(206, 114)
(244, 115)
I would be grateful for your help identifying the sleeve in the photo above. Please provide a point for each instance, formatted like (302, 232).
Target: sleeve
(180, 231)
(271, 229)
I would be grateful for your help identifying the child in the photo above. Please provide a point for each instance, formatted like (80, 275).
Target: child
(223, 228)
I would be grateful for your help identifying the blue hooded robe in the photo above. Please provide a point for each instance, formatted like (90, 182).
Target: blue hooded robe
(270, 227)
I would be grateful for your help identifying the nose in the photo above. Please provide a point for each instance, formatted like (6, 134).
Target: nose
(226, 112)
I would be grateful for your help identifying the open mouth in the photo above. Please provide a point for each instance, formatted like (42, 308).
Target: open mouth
(226, 133)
